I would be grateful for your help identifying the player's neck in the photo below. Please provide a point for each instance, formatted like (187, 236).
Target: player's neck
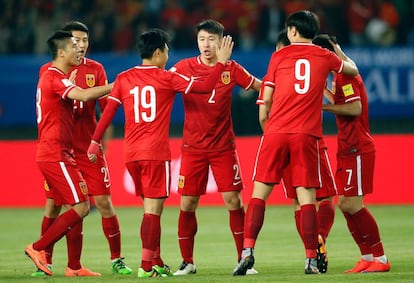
(209, 61)
(63, 66)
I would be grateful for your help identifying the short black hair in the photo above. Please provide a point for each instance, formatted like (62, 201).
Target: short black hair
(306, 22)
(58, 40)
(211, 26)
(150, 40)
(76, 26)
(323, 41)
(283, 38)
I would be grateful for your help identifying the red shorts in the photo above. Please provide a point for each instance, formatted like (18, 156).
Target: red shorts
(96, 174)
(298, 151)
(194, 171)
(328, 188)
(355, 174)
(152, 178)
(64, 182)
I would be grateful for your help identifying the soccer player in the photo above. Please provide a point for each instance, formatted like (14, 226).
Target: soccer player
(355, 165)
(298, 72)
(147, 93)
(209, 142)
(324, 195)
(55, 152)
(89, 73)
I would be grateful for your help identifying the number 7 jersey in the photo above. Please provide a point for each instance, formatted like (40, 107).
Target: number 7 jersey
(298, 74)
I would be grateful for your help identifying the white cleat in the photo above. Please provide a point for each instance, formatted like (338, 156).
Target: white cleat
(185, 269)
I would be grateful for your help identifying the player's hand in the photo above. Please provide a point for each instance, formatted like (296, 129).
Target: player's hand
(93, 150)
(226, 48)
(72, 76)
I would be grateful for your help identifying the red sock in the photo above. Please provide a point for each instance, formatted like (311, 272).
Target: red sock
(110, 227)
(297, 222)
(253, 221)
(150, 231)
(46, 223)
(58, 229)
(187, 229)
(326, 215)
(237, 229)
(156, 259)
(309, 228)
(368, 228)
(364, 249)
(74, 240)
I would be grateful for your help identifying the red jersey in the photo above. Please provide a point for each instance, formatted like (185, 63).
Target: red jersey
(208, 124)
(147, 94)
(54, 116)
(90, 73)
(354, 135)
(298, 95)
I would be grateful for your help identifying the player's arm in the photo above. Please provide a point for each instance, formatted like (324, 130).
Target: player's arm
(87, 94)
(348, 109)
(328, 95)
(263, 116)
(95, 146)
(350, 68)
(256, 84)
(268, 97)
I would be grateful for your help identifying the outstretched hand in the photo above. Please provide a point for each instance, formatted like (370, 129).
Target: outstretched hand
(226, 48)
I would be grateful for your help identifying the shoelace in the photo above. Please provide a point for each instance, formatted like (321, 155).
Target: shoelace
(119, 264)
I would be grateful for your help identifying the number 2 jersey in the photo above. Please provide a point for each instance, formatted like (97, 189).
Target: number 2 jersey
(208, 124)
(298, 74)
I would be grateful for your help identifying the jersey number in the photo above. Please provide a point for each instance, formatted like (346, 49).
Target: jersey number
(211, 99)
(348, 181)
(302, 74)
(38, 108)
(144, 103)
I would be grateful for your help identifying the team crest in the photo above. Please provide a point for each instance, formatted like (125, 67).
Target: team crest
(181, 180)
(90, 80)
(46, 186)
(83, 187)
(225, 77)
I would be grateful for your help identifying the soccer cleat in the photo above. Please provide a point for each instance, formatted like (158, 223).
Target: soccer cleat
(83, 271)
(311, 266)
(245, 263)
(377, 266)
(40, 273)
(39, 259)
(252, 271)
(119, 267)
(185, 269)
(164, 271)
(145, 274)
(360, 266)
(322, 256)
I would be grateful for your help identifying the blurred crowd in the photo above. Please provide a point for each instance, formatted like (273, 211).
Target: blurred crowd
(114, 24)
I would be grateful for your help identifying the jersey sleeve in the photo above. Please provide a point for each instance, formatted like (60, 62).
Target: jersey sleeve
(243, 78)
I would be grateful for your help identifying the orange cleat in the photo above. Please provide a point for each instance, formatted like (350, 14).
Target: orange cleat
(39, 258)
(360, 266)
(377, 266)
(83, 271)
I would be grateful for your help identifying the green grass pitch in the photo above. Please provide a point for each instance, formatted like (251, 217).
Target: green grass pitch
(279, 252)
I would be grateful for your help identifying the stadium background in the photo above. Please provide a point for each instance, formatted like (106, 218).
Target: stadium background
(381, 43)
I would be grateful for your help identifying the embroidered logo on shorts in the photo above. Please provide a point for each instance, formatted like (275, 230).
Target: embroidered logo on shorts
(46, 186)
(83, 187)
(225, 77)
(90, 80)
(181, 180)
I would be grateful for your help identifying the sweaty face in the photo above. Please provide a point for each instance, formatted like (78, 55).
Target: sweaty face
(82, 40)
(207, 44)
